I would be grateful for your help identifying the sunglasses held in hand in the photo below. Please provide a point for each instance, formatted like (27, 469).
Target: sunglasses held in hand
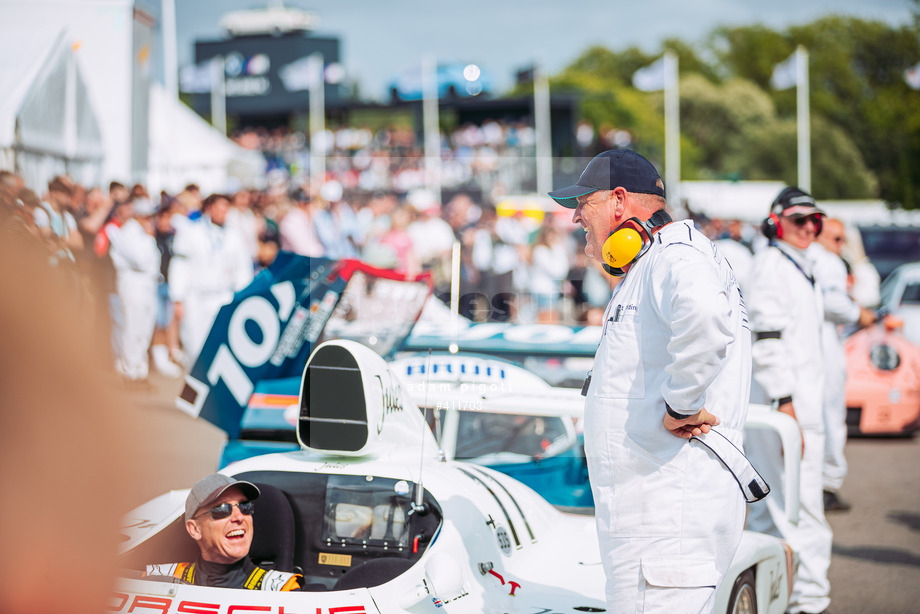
(219, 512)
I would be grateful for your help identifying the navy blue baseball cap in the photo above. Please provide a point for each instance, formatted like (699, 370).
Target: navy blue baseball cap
(608, 170)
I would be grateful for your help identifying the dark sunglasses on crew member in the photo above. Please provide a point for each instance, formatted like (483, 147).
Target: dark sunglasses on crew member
(219, 512)
(800, 221)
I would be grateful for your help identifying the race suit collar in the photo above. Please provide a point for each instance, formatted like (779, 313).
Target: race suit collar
(233, 575)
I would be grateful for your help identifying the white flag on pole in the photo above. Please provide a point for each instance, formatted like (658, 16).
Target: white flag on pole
(784, 74)
(912, 76)
(650, 78)
(195, 79)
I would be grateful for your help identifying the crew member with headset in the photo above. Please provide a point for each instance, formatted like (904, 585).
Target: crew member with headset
(786, 314)
(673, 363)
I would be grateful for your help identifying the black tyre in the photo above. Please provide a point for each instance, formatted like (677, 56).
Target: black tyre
(744, 598)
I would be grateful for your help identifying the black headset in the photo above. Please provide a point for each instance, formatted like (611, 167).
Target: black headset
(771, 228)
(629, 241)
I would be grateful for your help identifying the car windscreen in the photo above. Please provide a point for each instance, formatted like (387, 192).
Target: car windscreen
(483, 434)
(890, 246)
(376, 311)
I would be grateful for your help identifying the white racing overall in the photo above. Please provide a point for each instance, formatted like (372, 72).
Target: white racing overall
(137, 266)
(785, 306)
(669, 514)
(210, 263)
(839, 308)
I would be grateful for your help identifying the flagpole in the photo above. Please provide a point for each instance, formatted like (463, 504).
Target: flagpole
(803, 119)
(171, 82)
(170, 64)
(672, 130)
(541, 109)
(430, 126)
(317, 121)
(218, 94)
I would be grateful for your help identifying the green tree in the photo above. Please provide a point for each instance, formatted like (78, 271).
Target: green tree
(856, 83)
(865, 119)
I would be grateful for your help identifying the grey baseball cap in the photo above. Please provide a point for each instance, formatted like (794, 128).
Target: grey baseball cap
(209, 488)
(608, 170)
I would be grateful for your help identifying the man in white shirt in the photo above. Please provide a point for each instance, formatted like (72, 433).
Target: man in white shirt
(210, 264)
(787, 315)
(839, 310)
(136, 258)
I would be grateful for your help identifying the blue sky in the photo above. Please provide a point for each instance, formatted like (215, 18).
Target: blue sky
(380, 38)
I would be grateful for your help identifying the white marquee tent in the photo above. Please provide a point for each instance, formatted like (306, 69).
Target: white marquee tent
(68, 95)
(185, 149)
(47, 123)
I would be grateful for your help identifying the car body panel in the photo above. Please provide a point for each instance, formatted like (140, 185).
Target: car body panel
(488, 543)
(271, 326)
(382, 524)
(883, 383)
(900, 295)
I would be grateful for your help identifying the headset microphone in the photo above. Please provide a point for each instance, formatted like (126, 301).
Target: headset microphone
(629, 241)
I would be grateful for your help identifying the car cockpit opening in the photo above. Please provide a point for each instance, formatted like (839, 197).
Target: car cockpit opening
(324, 526)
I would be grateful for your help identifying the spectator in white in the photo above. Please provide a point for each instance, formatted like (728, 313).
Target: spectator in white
(786, 316)
(137, 266)
(210, 263)
(242, 219)
(122, 211)
(348, 240)
(54, 220)
(327, 227)
(298, 232)
(432, 237)
(497, 250)
(548, 268)
(839, 310)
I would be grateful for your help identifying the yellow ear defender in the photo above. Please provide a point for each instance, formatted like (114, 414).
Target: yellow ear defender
(622, 247)
(629, 241)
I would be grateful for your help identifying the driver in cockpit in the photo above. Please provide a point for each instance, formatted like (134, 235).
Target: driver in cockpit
(218, 516)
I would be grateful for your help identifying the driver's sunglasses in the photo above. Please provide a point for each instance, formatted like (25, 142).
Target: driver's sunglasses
(800, 221)
(219, 512)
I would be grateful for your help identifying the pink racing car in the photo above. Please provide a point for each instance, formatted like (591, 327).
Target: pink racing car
(883, 381)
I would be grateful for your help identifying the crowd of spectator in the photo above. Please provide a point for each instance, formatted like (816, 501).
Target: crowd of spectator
(496, 155)
(149, 273)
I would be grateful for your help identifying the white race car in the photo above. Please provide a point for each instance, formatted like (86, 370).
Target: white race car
(377, 521)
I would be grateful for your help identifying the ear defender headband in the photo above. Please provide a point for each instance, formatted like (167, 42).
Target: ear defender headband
(629, 241)
(771, 227)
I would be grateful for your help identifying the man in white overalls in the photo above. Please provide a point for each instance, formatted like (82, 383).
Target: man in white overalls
(787, 314)
(674, 361)
(210, 263)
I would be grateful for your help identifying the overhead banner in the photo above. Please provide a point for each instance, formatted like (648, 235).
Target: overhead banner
(263, 74)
